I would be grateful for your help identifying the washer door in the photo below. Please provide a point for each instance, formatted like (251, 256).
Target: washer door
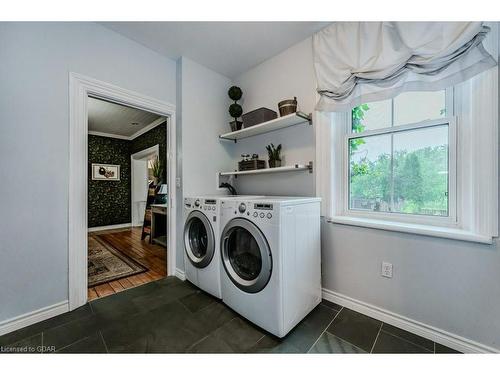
(246, 255)
(199, 240)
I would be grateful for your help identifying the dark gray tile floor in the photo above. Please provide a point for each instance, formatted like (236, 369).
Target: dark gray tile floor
(171, 316)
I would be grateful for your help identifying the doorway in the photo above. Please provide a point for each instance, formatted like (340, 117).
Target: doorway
(127, 150)
(81, 88)
(142, 176)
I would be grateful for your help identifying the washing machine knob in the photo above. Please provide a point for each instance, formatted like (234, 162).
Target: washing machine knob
(255, 214)
(242, 207)
(197, 203)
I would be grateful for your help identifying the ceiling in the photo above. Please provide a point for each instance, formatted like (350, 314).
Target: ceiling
(119, 120)
(230, 48)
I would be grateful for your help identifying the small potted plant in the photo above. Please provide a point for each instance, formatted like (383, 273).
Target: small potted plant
(235, 110)
(157, 170)
(274, 155)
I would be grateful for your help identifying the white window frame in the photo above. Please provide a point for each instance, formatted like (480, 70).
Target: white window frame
(450, 220)
(475, 123)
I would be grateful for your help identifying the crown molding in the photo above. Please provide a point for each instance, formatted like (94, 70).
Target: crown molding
(145, 129)
(109, 135)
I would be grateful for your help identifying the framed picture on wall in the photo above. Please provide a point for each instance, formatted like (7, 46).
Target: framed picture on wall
(105, 172)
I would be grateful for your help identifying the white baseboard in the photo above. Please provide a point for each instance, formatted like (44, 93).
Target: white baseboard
(432, 333)
(180, 274)
(33, 317)
(109, 227)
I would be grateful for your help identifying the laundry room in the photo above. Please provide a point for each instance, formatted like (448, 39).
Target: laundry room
(331, 189)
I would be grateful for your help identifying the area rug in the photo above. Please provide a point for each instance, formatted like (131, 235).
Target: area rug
(106, 263)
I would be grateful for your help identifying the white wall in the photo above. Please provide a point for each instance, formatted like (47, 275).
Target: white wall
(451, 285)
(202, 115)
(36, 59)
(284, 76)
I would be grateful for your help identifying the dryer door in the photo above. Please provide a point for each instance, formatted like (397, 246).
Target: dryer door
(199, 240)
(246, 255)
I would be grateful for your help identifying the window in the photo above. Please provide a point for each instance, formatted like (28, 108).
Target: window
(400, 158)
(423, 162)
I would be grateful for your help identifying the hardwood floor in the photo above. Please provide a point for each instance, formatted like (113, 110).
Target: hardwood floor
(128, 241)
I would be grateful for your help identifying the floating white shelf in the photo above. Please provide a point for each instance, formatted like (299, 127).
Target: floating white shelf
(288, 168)
(268, 126)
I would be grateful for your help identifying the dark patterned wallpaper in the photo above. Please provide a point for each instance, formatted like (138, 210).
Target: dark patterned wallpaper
(156, 136)
(109, 201)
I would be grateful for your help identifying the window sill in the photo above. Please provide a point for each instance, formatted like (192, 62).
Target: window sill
(426, 230)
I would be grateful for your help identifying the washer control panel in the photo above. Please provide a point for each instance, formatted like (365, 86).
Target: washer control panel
(188, 202)
(201, 204)
(209, 205)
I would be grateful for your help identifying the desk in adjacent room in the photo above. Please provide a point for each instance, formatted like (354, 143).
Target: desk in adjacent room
(159, 224)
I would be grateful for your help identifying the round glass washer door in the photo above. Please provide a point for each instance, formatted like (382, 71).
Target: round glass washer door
(199, 240)
(246, 255)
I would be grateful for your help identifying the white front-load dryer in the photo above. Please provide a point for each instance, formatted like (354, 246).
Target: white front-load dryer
(271, 257)
(201, 242)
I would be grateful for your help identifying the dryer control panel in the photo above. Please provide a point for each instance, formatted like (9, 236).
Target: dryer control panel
(263, 206)
(251, 210)
(263, 210)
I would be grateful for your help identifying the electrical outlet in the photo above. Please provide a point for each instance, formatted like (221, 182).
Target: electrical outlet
(178, 182)
(386, 270)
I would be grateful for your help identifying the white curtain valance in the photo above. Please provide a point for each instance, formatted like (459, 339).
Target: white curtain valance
(358, 62)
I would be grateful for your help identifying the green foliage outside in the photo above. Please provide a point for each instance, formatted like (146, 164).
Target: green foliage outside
(418, 184)
(358, 115)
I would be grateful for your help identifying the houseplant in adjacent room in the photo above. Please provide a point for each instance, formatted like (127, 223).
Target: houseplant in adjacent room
(274, 155)
(157, 170)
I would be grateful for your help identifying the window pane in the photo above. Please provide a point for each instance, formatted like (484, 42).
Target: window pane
(412, 107)
(370, 116)
(420, 161)
(409, 108)
(370, 173)
(402, 172)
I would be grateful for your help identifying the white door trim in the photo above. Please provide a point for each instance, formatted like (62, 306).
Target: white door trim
(139, 155)
(80, 87)
(146, 152)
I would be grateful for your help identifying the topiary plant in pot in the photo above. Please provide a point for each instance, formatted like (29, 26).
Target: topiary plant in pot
(235, 110)
(274, 154)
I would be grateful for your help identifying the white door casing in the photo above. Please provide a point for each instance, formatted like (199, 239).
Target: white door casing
(139, 189)
(80, 88)
(139, 182)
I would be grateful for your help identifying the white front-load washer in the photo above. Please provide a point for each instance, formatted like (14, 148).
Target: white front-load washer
(271, 257)
(201, 241)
